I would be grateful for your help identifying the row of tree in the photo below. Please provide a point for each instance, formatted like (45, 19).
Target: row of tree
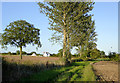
(72, 24)
(18, 53)
(114, 56)
(93, 54)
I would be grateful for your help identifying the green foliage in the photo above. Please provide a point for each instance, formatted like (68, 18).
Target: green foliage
(18, 52)
(9, 53)
(95, 53)
(0, 38)
(102, 59)
(54, 55)
(20, 33)
(114, 56)
(102, 53)
(69, 20)
(60, 53)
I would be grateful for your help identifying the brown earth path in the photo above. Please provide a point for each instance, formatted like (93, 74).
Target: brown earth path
(106, 70)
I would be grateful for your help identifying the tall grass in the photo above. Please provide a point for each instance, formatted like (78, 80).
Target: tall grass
(77, 71)
(45, 76)
(13, 68)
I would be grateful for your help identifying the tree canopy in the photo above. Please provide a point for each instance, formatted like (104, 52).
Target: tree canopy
(20, 33)
(69, 19)
(0, 38)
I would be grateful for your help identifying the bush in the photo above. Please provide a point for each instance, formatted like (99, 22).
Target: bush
(103, 59)
(114, 56)
(54, 55)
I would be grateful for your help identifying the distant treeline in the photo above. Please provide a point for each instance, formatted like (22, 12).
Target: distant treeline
(18, 53)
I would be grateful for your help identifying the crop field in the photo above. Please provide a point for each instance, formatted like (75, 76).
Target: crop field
(106, 70)
(52, 69)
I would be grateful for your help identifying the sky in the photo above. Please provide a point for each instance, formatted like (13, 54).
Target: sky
(105, 16)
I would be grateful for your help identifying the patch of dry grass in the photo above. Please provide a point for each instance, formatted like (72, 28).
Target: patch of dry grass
(14, 68)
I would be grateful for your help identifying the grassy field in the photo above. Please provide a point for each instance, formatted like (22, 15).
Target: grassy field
(77, 71)
(45, 69)
(13, 68)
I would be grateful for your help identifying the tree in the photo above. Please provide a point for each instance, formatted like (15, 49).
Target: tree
(84, 36)
(95, 53)
(20, 33)
(63, 17)
(0, 38)
(102, 53)
(9, 53)
(18, 52)
(60, 53)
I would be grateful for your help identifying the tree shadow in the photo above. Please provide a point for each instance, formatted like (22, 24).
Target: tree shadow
(15, 71)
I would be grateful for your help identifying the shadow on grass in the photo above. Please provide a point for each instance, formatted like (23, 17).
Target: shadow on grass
(46, 76)
(14, 71)
(80, 64)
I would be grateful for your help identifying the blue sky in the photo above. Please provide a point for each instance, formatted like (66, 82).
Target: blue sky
(105, 16)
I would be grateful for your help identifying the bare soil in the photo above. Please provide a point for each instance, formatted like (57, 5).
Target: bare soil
(106, 70)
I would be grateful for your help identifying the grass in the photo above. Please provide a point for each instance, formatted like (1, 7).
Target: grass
(88, 74)
(13, 68)
(66, 76)
(77, 74)
(78, 71)
(103, 59)
(45, 76)
(36, 69)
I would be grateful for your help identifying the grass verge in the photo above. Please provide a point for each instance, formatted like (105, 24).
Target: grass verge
(88, 74)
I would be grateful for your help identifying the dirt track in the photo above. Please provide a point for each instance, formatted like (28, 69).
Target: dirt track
(106, 70)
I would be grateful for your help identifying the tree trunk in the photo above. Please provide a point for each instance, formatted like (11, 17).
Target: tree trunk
(21, 52)
(64, 44)
(80, 54)
(64, 40)
(81, 50)
(87, 52)
(68, 47)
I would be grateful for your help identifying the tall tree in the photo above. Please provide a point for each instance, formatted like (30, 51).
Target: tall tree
(84, 35)
(0, 38)
(20, 33)
(102, 53)
(64, 16)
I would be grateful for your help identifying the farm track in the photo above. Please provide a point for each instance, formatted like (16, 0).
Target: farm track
(68, 74)
(74, 72)
(71, 74)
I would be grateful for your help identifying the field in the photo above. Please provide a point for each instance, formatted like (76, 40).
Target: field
(30, 60)
(53, 69)
(14, 68)
(106, 70)
(77, 71)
